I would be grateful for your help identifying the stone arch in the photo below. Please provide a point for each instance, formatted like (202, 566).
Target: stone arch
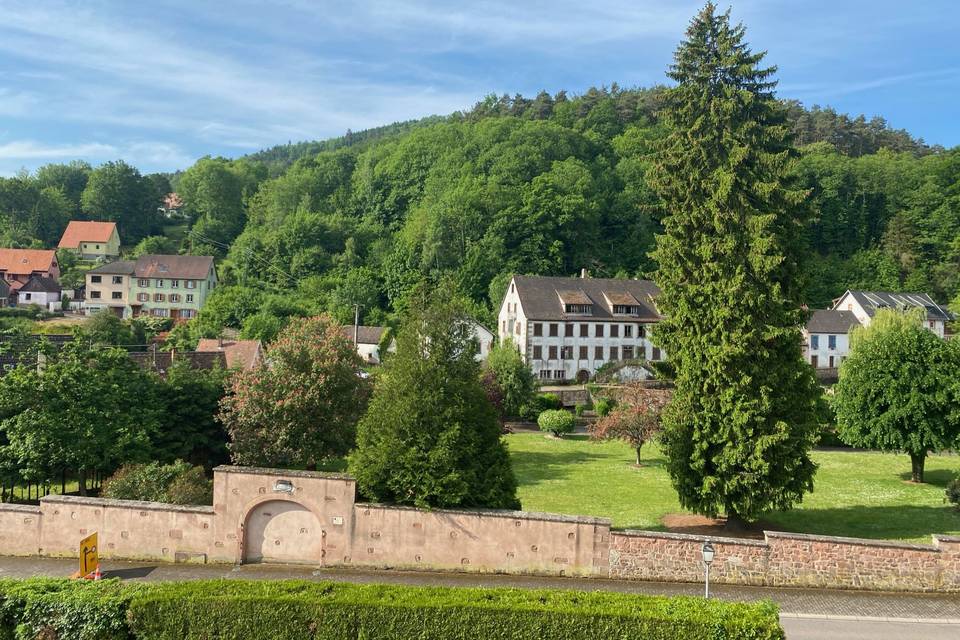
(282, 531)
(583, 376)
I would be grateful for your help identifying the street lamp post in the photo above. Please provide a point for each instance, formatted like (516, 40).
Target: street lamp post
(708, 552)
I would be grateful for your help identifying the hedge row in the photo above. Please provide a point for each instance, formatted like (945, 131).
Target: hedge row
(230, 609)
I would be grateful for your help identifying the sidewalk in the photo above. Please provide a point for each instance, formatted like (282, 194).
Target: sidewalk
(794, 603)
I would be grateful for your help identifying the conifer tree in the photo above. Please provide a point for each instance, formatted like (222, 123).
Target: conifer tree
(431, 437)
(744, 414)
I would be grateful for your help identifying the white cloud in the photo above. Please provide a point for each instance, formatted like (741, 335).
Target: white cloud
(30, 150)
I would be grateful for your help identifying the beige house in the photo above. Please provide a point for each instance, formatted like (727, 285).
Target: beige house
(91, 240)
(108, 287)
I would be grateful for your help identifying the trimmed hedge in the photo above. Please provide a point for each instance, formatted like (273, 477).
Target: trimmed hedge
(288, 610)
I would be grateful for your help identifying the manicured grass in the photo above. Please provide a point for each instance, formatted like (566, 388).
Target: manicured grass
(857, 494)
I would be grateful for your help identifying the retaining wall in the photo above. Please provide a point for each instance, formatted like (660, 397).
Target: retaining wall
(790, 560)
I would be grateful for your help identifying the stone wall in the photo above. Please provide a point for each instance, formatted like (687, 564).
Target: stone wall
(126, 529)
(503, 541)
(312, 518)
(19, 530)
(790, 560)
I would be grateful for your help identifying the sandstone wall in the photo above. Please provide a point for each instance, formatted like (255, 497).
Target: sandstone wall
(790, 560)
(126, 529)
(312, 518)
(19, 530)
(483, 541)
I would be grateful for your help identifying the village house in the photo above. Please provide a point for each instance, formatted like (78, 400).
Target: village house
(91, 240)
(157, 285)
(826, 336)
(367, 340)
(17, 266)
(41, 291)
(567, 328)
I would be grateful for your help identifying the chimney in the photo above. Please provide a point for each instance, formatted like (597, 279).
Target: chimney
(584, 274)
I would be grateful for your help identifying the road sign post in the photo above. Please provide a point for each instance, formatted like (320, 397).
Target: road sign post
(89, 558)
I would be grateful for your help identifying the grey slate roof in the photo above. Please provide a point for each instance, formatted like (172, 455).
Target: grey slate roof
(831, 321)
(365, 334)
(873, 300)
(118, 268)
(540, 297)
(41, 284)
(176, 267)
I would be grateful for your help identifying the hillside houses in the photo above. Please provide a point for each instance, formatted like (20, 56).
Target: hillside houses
(827, 334)
(17, 266)
(91, 240)
(157, 285)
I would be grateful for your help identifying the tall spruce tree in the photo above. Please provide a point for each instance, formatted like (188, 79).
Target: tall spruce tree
(744, 415)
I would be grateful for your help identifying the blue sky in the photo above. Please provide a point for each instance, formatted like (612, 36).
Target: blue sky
(164, 82)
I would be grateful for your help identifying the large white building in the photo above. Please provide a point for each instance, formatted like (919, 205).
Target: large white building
(567, 328)
(827, 333)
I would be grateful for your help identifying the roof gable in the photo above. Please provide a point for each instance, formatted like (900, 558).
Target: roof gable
(831, 321)
(41, 284)
(78, 231)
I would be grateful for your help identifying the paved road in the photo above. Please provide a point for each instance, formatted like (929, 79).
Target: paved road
(806, 614)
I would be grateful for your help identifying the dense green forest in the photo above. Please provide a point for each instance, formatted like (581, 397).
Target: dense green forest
(543, 185)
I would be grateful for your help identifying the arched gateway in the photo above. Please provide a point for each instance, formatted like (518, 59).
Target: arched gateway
(282, 531)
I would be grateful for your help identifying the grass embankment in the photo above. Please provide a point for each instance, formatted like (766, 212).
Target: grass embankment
(856, 494)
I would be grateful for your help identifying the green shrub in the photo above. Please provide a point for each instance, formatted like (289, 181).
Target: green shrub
(331, 611)
(556, 421)
(538, 404)
(953, 492)
(579, 409)
(282, 610)
(65, 609)
(603, 406)
(176, 483)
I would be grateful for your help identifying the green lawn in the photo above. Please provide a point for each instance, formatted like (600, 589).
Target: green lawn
(856, 493)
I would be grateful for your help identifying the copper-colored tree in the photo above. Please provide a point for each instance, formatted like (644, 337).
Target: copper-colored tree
(635, 419)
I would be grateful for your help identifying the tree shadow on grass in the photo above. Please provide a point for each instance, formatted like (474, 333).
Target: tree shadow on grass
(934, 477)
(533, 467)
(902, 522)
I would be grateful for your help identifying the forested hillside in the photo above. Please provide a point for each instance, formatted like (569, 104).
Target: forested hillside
(545, 185)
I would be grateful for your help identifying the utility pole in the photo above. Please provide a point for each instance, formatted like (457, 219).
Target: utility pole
(356, 325)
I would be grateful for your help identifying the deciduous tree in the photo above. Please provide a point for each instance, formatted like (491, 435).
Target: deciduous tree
(899, 389)
(302, 407)
(635, 419)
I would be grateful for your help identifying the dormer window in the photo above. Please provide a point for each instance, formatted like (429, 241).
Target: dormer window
(626, 310)
(623, 303)
(576, 303)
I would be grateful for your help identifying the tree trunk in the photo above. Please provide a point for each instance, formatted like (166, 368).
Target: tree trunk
(734, 521)
(638, 453)
(82, 481)
(916, 464)
(63, 482)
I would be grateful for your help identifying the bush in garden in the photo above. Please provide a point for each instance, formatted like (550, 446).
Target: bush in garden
(953, 493)
(556, 421)
(603, 406)
(176, 483)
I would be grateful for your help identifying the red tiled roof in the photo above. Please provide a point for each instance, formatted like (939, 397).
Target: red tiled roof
(82, 231)
(242, 354)
(23, 262)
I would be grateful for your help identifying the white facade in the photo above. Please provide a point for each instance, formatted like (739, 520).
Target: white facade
(41, 298)
(484, 338)
(826, 350)
(575, 347)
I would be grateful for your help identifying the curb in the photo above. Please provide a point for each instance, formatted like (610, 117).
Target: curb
(817, 616)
